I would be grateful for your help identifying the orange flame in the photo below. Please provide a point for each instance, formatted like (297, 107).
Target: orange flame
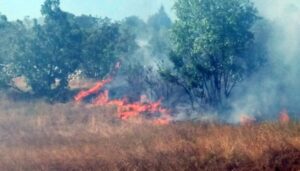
(83, 94)
(126, 110)
(284, 117)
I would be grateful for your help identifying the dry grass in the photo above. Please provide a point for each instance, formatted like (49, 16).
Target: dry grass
(37, 136)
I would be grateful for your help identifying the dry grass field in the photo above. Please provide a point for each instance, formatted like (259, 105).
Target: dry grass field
(61, 137)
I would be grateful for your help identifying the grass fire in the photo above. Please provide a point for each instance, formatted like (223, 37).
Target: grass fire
(39, 136)
(149, 85)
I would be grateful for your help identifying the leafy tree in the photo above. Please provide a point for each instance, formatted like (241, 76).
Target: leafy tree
(159, 20)
(52, 53)
(86, 22)
(11, 33)
(136, 26)
(100, 49)
(212, 39)
(61, 44)
(104, 43)
(5, 29)
(160, 25)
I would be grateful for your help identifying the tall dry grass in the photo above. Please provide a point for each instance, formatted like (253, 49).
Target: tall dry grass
(37, 136)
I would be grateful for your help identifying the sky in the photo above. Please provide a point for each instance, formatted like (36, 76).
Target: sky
(115, 9)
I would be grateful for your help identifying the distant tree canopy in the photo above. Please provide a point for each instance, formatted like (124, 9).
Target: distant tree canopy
(47, 52)
(136, 26)
(53, 52)
(211, 40)
(99, 50)
(11, 33)
(208, 50)
(160, 20)
(160, 26)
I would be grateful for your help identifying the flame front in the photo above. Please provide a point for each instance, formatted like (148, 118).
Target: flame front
(83, 94)
(125, 109)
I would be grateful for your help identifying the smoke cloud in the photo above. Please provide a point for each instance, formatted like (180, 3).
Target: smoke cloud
(275, 87)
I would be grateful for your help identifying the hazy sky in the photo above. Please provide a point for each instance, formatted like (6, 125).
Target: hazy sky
(116, 9)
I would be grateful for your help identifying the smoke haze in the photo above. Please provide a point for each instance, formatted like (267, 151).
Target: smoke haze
(276, 86)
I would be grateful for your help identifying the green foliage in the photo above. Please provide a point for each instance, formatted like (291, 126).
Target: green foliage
(52, 53)
(159, 20)
(51, 9)
(211, 54)
(211, 41)
(104, 43)
(136, 26)
(47, 52)
(159, 25)
(10, 33)
(100, 52)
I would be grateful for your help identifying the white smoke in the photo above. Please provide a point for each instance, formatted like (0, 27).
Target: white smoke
(276, 86)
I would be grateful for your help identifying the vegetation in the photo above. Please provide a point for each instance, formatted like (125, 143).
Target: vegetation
(203, 55)
(46, 53)
(39, 136)
(198, 60)
(53, 52)
(212, 43)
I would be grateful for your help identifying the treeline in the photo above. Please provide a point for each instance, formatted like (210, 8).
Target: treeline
(200, 58)
(47, 51)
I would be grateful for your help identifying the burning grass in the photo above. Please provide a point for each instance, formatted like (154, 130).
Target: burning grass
(38, 136)
(125, 109)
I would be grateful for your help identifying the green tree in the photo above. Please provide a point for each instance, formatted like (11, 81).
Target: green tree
(11, 33)
(212, 39)
(52, 53)
(100, 49)
(136, 26)
(103, 45)
(159, 20)
(160, 25)
(5, 51)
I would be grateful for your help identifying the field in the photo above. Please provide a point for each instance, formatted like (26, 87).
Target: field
(38, 136)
